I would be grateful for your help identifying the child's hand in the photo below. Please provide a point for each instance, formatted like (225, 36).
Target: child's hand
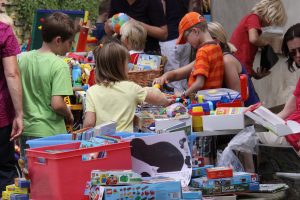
(69, 118)
(261, 73)
(161, 80)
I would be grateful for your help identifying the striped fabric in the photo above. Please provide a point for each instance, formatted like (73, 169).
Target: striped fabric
(209, 63)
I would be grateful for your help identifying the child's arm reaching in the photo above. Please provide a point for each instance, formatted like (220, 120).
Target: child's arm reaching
(289, 108)
(59, 106)
(196, 86)
(89, 119)
(175, 75)
(255, 39)
(155, 97)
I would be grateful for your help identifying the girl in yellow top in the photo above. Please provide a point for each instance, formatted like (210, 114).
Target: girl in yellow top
(114, 98)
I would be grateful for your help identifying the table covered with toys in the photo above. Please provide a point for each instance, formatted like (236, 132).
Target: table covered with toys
(160, 159)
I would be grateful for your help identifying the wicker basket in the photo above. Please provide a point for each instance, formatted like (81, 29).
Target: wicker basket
(145, 78)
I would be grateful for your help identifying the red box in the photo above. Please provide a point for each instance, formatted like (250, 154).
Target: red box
(219, 172)
(63, 175)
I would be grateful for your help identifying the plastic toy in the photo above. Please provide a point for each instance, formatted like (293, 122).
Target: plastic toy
(76, 76)
(83, 35)
(197, 123)
(176, 109)
(86, 70)
(117, 21)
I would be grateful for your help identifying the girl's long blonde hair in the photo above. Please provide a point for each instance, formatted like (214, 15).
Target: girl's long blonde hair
(217, 32)
(271, 11)
(111, 60)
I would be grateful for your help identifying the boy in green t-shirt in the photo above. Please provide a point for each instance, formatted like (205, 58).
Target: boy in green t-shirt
(46, 80)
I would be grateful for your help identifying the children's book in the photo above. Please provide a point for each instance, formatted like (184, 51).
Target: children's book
(148, 62)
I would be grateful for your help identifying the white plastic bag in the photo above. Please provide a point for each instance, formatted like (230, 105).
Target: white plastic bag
(244, 141)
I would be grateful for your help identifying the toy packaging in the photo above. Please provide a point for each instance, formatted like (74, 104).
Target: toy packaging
(219, 172)
(114, 178)
(14, 192)
(240, 182)
(155, 191)
(200, 171)
(22, 183)
(216, 95)
(19, 197)
(192, 195)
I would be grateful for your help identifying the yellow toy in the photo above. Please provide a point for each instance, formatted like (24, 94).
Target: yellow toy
(86, 70)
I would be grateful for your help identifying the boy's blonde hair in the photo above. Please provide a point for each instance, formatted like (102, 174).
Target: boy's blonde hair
(271, 11)
(6, 19)
(111, 60)
(135, 34)
(217, 31)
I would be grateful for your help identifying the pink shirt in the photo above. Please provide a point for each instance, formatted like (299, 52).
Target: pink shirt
(295, 116)
(240, 39)
(8, 47)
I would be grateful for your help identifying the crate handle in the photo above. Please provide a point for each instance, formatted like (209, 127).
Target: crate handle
(94, 156)
(41, 161)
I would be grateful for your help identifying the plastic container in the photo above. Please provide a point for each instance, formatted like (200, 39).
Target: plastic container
(126, 135)
(76, 76)
(51, 140)
(63, 175)
(215, 95)
(197, 113)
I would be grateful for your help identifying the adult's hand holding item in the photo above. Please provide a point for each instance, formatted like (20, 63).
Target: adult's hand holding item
(261, 73)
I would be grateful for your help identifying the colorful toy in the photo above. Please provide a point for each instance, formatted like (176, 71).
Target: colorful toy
(117, 21)
(83, 35)
(168, 190)
(197, 113)
(76, 76)
(114, 178)
(176, 109)
(86, 70)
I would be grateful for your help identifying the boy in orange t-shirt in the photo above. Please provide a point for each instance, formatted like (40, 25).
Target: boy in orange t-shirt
(207, 71)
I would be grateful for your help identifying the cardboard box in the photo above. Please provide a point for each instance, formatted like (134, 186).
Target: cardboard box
(238, 178)
(223, 122)
(271, 121)
(163, 190)
(19, 197)
(219, 172)
(192, 195)
(244, 177)
(161, 125)
(142, 120)
(200, 171)
(114, 177)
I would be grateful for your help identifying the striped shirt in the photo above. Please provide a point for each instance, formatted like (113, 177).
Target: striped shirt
(209, 63)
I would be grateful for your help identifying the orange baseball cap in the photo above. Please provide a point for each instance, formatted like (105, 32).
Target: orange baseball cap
(189, 20)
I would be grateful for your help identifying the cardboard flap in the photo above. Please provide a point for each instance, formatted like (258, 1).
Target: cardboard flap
(295, 126)
(272, 122)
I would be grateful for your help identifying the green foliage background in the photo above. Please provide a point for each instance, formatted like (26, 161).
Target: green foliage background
(24, 10)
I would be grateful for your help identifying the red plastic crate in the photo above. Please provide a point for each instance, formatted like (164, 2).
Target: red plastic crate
(63, 175)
